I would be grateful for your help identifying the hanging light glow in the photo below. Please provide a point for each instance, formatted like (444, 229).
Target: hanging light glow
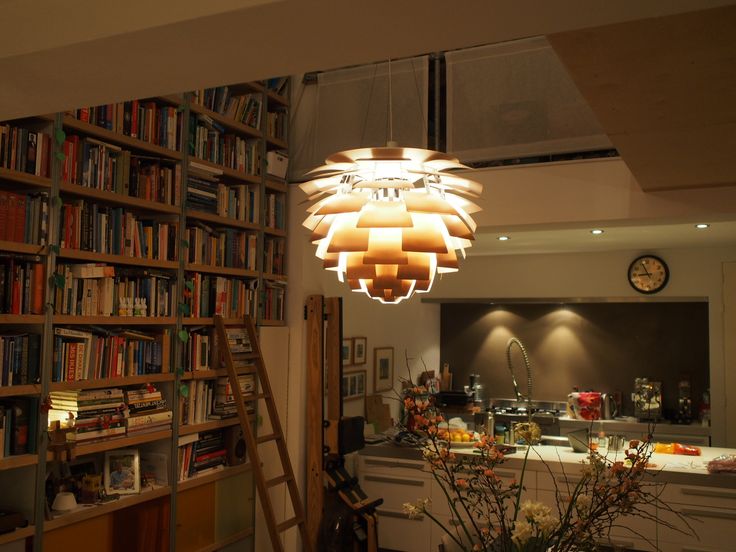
(387, 219)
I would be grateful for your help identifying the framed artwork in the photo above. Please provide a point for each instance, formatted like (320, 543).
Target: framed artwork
(383, 366)
(122, 471)
(353, 385)
(360, 346)
(347, 351)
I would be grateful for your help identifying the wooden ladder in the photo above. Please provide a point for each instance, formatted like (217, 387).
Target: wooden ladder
(252, 441)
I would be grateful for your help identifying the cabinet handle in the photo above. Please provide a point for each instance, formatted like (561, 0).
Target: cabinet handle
(708, 513)
(618, 543)
(708, 493)
(572, 481)
(394, 481)
(400, 515)
(394, 464)
(511, 475)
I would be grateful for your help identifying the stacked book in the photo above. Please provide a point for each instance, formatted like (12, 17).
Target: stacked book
(147, 411)
(22, 284)
(25, 151)
(196, 406)
(96, 413)
(153, 180)
(209, 141)
(276, 211)
(278, 121)
(227, 247)
(197, 355)
(18, 426)
(24, 218)
(228, 297)
(224, 405)
(273, 300)
(274, 254)
(239, 202)
(244, 108)
(19, 358)
(200, 453)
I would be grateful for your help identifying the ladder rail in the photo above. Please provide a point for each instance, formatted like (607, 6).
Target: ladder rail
(252, 440)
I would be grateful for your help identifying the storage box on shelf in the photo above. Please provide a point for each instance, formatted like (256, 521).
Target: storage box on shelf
(123, 219)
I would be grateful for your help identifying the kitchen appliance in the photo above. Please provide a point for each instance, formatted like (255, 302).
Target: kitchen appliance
(584, 405)
(647, 399)
(684, 413)
(609, 406)
(475, 389)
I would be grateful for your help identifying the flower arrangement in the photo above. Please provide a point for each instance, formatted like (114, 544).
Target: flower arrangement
(488, 514)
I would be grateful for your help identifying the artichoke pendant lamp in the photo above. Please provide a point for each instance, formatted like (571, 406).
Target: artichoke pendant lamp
(388, 219)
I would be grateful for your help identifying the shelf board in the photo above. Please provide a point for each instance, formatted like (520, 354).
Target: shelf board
(115, 320)
(227, 171)
(110, 382)
(21, 533)
(272, 322)
(78, 254)
(13, 390)
(22, 318)
(70, 122)
(25, 248)
(275, 277)
(275, 231)
(118, 199)
(203, 374)
(227, 122)
(222, 221)
(223, 270)
(25, 178)
(278, 98)
(212, 476)
(18, 461)
(276, 185)
(277, 143)
(227, 541)
(125, 501)
(189, 321)
(121, 442)
(208, 426)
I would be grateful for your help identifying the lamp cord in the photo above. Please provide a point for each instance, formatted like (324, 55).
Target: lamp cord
(368, 107)
(390, 105)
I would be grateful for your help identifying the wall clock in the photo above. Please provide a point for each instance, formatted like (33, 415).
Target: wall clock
(648, 274)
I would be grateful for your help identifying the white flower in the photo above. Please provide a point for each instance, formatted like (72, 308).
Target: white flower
(417, 509)
(522, 532)
(583, 502)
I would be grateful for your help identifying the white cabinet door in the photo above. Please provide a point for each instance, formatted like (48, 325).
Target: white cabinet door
(397, 531)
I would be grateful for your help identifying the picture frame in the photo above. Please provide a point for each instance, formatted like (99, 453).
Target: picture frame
(347, 351)
(122, 474)
(354, 385)
(383, 369)
(360, 350)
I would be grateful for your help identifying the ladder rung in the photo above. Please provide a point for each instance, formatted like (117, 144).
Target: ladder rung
(251, 397)
(269, 437)
(246, 370)
(284, 525)
(277, 480)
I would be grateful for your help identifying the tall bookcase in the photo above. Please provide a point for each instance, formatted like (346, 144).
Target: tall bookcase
(152, 167)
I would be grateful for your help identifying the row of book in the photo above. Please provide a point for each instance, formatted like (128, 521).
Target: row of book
(274, 294)
(225, 247)
(112, 230)
(244, 108)
(277, 124)
(276, 210)
(20, 355)
(24, 217)
(144, 120)
(209, 141)
(238, 202)
(97, 289)
(102, 166)
(201, 453)
(102, 353)
(274, 255)
(278, 85)
(212, 399)
(18, 426)
(199, 349)
(25, 151)
(22, 284)
(228, 297)
(103, 413)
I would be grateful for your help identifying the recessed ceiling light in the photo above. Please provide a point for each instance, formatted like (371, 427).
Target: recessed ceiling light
(596, 231)
(702, 225)
(503, 238)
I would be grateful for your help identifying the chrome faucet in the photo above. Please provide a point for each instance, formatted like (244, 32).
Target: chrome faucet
(519, 396)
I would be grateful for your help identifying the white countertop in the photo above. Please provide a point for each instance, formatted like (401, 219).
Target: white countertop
(631, 425)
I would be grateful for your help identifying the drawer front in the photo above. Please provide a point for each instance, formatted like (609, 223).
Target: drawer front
(394, 491)
(716, 497)
(439, 500)
(397, 532)
(564, 482)
(715, 527)
(398, 468)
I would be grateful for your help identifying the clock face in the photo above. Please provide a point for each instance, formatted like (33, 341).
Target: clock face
(648, 274)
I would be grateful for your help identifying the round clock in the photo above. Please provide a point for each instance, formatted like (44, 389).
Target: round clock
(648, 274)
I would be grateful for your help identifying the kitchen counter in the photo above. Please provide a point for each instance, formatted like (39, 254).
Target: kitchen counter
(667, 468)
(626, 426)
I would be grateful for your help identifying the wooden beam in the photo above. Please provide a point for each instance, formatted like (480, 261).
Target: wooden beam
(315, 401)
(333, 356)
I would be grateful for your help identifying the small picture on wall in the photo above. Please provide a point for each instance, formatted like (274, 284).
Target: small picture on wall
(360, 346)
(353, 385)
(122, 471)
(347, 352)
(383, 365)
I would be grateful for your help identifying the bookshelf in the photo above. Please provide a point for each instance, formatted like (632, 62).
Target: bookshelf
(121, 188)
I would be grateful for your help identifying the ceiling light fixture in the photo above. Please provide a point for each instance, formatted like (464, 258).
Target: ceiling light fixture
(702, 225)
(503, 238)
(596, 231)
(388, 219)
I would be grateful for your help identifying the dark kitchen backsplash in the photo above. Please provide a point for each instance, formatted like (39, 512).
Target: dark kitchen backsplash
(591, 346)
